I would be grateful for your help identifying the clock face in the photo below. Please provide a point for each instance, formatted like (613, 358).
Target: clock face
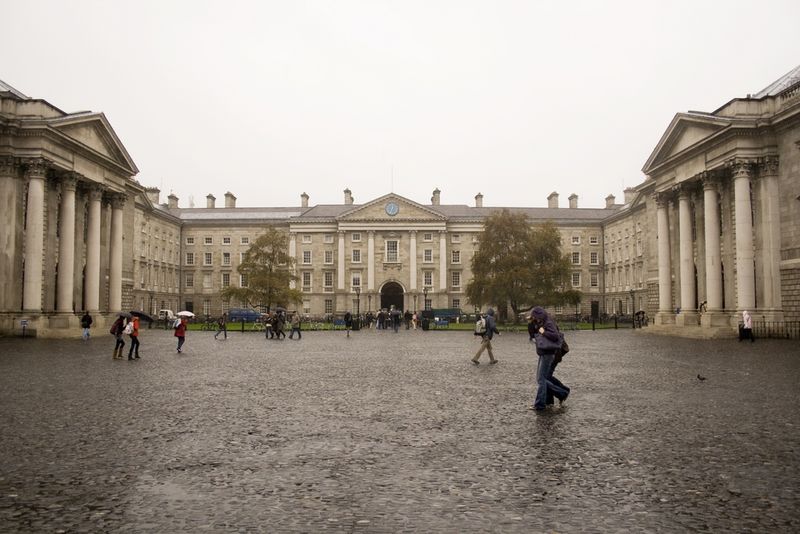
(392, 208)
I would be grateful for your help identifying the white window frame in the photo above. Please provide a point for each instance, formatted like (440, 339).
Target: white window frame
(355, 237)
(386, 252)
(594, 258)
(328, 257)
(190, 240)
(427, 255)
(226, 240)
(594, 280)
(455, 256)
(244, 240)
(307, 238)
(594, 240)
(327, 238)
(355, 280)
(307, 257)
(243, 280)
(455, 238)
(576, 258)
(427, 236)
(576, 240)
(455, 280)
(427, 278)
(189, 258)
(355, 256)
(576, 279)
(208, 259)
(208, 240)
(226, 259)
(189, 280)
(307, 279)
(226, 279)
(327, 281)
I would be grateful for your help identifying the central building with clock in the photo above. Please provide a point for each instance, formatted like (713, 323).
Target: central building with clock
(389, 251)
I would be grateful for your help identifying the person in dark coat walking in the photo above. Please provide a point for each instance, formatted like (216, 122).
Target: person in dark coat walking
(547, 386)
(86, 324)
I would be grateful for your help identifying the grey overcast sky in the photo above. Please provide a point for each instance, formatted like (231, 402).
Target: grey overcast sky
(513, 99)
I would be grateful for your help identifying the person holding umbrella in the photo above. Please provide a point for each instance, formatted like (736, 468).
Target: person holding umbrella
(180, 327)
(132, 329)
(117, 330)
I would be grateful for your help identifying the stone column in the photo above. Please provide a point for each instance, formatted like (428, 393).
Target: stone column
(340, 267)
(92, 282)
(713, 257)
(412, 259)
(9, 273)
(665, 313)
(688, 315)
(66, 245)
(115, 261)
(745, 275)
(771, 238)
(35, 172)
(442, 261)
(371, 260)
(293, 255)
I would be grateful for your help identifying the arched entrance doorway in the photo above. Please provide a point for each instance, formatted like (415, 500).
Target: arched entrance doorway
(392, 294)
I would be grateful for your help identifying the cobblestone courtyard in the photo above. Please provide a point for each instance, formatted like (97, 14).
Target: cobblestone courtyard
(386, 432)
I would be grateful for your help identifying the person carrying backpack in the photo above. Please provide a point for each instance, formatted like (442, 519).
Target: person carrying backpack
(117, 330)
(486, 330)
(132, 329)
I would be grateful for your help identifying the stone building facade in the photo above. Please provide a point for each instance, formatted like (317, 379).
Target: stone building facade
(714, 230)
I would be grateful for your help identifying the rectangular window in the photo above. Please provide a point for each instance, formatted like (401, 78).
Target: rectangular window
(576, 258)
(207, 258)
(206, 307)
(226, 240)
(306, 306)
(206, 280)
(593, 259)
(306, 280)
(226, 279)
(427, 236)
(455, 238)
(594, 240)
(576, 240)
(356, 237)
(244, 240)
(327, 282)
(306, 238)
(427, 255)
(190, 240)
(243, 280)
(391, 251)
(456, 256)
(593, 280)
(327, 238)
(226, 258)
(427, 304)
(328, 305)
(190, 258)
(427, 278)
(328, 257)
(356, 279)
(456, 279)
(456, 303)
(356, 256)
(576, 279)
(208, 240)
(189, 279)
(306, 257)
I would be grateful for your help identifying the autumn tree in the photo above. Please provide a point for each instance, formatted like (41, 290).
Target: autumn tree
(519, 264)
(266, 272)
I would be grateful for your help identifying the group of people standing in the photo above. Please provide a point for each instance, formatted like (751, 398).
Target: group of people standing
(129, 326)
(550, 347)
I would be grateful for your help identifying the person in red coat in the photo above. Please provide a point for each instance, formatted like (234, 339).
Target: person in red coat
(180, 332)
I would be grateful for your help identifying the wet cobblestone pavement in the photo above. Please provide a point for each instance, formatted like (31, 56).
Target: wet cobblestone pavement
(386, 432)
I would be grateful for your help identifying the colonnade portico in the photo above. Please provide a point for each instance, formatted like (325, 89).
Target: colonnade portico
(740, 175)
(39, 174)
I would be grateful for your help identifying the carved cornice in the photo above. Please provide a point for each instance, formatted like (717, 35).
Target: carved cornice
(710, 180)
(663, 198)
(69, 181)
(95, 192)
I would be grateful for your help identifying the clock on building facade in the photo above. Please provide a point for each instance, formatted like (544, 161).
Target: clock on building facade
(392, 209)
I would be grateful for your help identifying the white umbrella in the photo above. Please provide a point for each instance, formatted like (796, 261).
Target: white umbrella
(185, 314)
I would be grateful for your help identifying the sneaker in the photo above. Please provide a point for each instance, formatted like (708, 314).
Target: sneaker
(536, 409)
(475, 362)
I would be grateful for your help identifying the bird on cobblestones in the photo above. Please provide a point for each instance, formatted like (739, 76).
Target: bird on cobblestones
(701, 378)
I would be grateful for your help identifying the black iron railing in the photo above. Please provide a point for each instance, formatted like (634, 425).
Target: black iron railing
(777, 329)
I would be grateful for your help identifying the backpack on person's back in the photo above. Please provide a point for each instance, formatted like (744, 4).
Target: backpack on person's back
(480, 326)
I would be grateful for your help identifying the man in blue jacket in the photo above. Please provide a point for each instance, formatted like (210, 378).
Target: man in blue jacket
(486, 338)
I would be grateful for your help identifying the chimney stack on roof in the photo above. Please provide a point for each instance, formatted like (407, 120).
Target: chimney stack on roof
(573, 201)
(610, 199)
(211, 200)
(230, 200)
(435, 198)
(172, 201)
(304, 200)
(153, 194)
(630, 193)
(552, 200)
(479, 200)
(348, 197)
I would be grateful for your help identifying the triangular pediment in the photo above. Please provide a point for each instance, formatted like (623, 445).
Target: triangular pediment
(382, 209)
(93, 131)
(684, 132)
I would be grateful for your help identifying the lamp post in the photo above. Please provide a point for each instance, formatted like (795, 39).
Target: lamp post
(358, 307)
(633, 310)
